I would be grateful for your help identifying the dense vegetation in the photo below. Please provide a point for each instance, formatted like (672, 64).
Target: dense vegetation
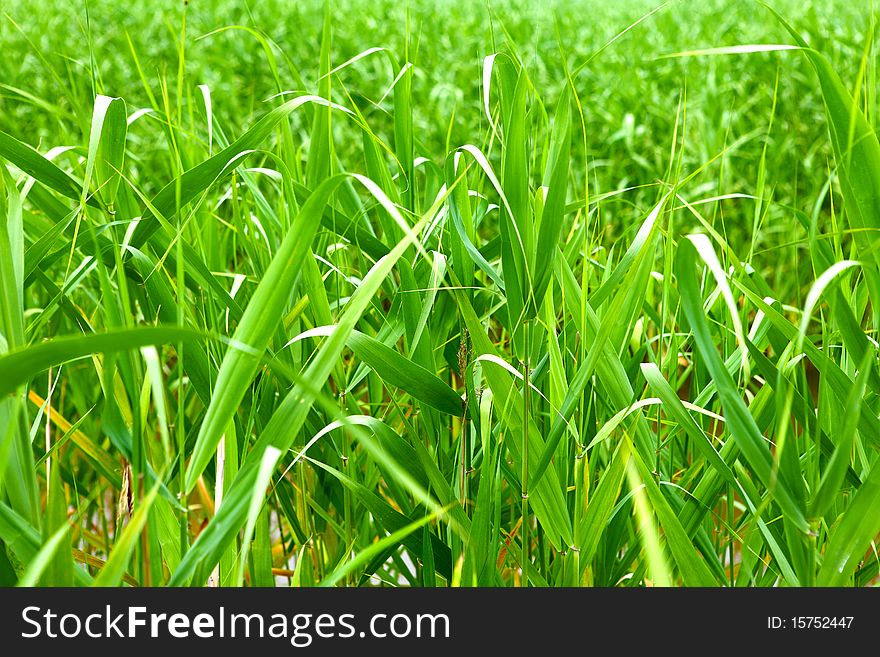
(433, 294)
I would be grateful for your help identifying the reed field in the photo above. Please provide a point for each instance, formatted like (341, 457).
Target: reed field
(439, 294)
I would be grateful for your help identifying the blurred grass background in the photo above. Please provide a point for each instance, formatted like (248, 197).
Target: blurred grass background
(631, 92)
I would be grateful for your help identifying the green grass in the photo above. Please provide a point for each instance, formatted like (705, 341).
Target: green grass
(524, 294)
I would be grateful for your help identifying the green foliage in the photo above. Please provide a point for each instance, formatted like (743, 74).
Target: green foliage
(549, 294)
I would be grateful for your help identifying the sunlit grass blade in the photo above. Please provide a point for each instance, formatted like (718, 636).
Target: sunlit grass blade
(18, 367)
(256, 328)
(742, 424)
